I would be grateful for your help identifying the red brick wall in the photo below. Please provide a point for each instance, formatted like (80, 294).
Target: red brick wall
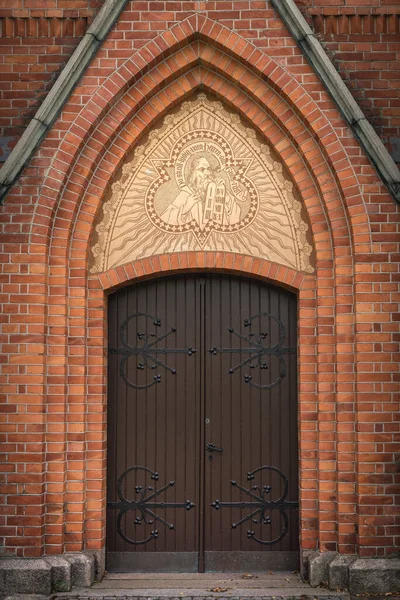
(36, 40)
(53, 338)
(363, 39)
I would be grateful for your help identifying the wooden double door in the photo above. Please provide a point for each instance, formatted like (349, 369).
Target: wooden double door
(202, 426)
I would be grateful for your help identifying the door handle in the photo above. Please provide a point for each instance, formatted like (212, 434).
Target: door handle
(212, 448)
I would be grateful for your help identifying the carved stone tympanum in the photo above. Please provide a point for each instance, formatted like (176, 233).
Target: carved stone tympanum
(202, 180)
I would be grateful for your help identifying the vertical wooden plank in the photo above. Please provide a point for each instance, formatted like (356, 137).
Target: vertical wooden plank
(111, 423)
(203, 509)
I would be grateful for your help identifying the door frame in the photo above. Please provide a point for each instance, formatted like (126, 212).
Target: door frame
(299, 283)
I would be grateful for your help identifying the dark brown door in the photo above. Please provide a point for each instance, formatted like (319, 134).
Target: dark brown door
(202, 426)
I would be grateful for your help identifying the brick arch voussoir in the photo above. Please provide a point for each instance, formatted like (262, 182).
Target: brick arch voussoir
(93, 194)
(96, 188)
(83, 230)
(164, 45)
(186, 262)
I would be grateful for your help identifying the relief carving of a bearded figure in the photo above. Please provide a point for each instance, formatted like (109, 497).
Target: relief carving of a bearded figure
(205, 197)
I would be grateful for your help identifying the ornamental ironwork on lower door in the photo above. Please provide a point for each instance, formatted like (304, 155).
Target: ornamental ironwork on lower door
(261, 505)
(144, 505)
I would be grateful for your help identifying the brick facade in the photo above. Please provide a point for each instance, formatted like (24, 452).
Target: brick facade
(362, 39)
(53, 359)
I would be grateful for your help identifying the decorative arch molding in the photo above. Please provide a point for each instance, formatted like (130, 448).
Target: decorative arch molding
(97, 144)
(113, 105)
(89, 156)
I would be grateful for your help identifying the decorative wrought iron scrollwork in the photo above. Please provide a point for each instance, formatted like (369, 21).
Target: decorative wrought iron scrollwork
(258, 351)
(147, 351)
(260, 505)
(144, 505)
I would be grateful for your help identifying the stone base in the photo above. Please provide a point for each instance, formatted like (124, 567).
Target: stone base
(60, 573)
(99, 563)
(374, 576)
(24, 576)
(358, 575)
(338, 575)
(42, 576)
(318, 568)
(82, 569)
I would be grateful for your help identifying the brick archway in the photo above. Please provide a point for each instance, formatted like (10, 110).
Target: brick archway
(95, 165)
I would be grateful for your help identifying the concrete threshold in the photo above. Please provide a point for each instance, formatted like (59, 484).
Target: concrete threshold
(273, 585)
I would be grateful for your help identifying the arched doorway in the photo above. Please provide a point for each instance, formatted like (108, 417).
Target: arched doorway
(202, 426)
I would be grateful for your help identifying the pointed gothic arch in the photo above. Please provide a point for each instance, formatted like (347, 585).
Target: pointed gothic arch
(197, 54)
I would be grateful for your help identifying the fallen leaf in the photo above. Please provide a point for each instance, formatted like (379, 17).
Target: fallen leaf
(219, 589)
(248, 576)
